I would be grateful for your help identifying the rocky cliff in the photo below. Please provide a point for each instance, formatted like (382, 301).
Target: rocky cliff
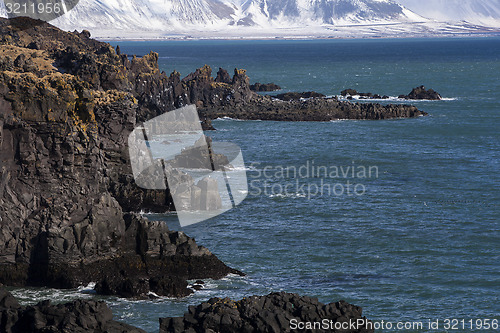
(67, 195)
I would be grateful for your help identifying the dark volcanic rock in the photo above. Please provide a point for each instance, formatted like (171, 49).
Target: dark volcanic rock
(264, 87)
(351, 92)
(314, 109)
(348, 92)
(77, 317)
(272, 313)
(416, 93)
(67, 194)
(422, 93)
(295, 96)
(200, 156)
(223, 76)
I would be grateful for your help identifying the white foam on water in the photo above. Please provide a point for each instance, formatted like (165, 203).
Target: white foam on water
(88, 289)
(228, 118)
(33, 295)
(289, 195)
(393, 99)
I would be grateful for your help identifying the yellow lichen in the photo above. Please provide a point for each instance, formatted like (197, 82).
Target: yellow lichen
(220, 85)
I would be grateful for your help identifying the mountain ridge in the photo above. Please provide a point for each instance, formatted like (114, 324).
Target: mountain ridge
(151, 19)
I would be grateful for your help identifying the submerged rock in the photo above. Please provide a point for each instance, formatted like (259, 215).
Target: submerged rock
(276, 312)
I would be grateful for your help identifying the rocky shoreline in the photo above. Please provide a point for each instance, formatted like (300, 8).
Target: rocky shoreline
(276, 312)
(68, 201)
(68, 104)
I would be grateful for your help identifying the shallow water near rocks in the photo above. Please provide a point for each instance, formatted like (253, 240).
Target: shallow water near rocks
(422, 242)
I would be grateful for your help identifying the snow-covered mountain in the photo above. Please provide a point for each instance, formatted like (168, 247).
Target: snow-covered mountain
(253, 18)
(483, 12)
(200, 16)
(146, 15)
(333, 12)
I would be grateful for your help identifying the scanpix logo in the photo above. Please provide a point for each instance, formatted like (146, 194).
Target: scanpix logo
(204, 178)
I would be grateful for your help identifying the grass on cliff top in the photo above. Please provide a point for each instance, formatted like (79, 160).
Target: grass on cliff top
(39, 57)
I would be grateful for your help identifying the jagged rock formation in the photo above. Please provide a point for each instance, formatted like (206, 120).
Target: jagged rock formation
(276, 312)
(67, 105)
(77, 317)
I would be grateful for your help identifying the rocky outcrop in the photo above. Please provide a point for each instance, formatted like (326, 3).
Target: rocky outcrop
(67, 194)
(314, 109)
(276, 312)
(264, 87)
(200, 156)
(416, 93)
(349, 93)
(422, 93)
(295, 96)
(80, 316)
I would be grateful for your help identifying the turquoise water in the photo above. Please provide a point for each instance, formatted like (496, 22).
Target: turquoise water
(423, 239)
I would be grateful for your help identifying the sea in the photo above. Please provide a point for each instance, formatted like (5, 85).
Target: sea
(400, 217)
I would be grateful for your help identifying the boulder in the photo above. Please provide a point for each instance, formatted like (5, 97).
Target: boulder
(349, 92)
(422, 93)
(276, 312)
